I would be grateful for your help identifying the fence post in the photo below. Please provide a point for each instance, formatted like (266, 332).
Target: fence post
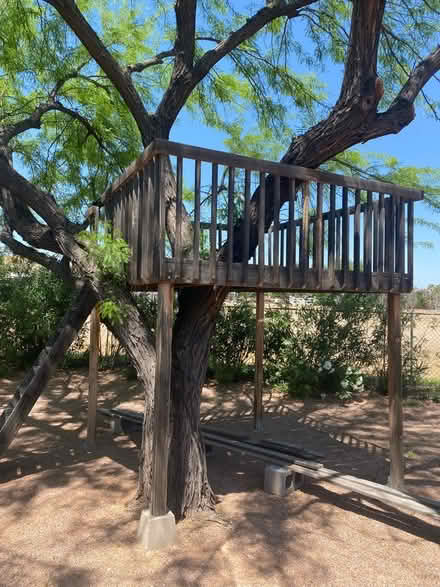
(259, 352)
(93, 356)
(397, 467)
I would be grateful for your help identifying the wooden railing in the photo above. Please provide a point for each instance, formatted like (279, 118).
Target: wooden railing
(197, 216)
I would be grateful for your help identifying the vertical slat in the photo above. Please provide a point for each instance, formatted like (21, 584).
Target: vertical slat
(246, 229)
(259, 372)
(162, 387)
(179, 210)
(159, 234)
(318, 235)
(145, 222)
(291, 235)
(304, 248)
(338, 240)
(213, 226)
(375, 236)
(390, 223)
(231, 181)
(196, 229)
(368, 241)
(381, 238)
(345, 234)
(93, 361)
(331, 236)
(401, 237)
(134, 229)
(261, 218)
(357, 238)
(282, 247)
(397, 466)
(410, 242)
(276, 231)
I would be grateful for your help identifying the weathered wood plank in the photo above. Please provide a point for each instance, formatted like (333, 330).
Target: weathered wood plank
(381, 238)
(331, 232)
(261, 219)
(397, 466)
(375, 236)
(318, 239)
(345, 232)
(368, 237)
(276, 230)
(213, 226)
(162, 386)
(357, 237)
(179, 210)
(231, 189)
(196, 225)
(390, 224)
(93, 361)
(410, 245)
(134, 228)
(291, 234)
(259, 353)
(304, 238)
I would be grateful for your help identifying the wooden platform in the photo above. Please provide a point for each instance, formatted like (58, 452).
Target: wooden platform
(196, 216)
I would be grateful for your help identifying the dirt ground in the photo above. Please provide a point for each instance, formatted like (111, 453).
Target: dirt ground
(68, 518)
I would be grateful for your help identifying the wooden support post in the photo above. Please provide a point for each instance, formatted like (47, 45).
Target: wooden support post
(93, 362)
(259, 373)
(397, 467)
(162, 398)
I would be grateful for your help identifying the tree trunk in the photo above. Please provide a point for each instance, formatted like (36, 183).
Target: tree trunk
(38, 376)
(189, 490)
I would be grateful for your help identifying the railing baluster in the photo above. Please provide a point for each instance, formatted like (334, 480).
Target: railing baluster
(159, 223)
(261, 218)
(368, 240)
(134, 229)
(231, 181)
(213, 227)
(276, 232)
(331, 236)
(357, 239)
(282, 245)
(389, 236)
(291, 235)
(246, 230)
(375, 236)
(338, 241)
(196, 230)
(304, 248)
(381, 239)
(400, 237)
(410, 242)
(318, 236)
(345, 236)
(179, 205)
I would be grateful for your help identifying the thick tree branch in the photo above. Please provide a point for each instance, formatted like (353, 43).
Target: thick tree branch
(58, 267)
(182, 85)
(121, 80)
(360, 73)
(156, 60)
(19, 218)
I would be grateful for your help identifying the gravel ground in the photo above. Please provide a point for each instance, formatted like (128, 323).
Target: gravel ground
(68, 518)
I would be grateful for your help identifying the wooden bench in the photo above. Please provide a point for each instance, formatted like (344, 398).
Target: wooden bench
(296, 460)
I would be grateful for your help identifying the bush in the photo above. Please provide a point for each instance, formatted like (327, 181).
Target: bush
(331, 340)
(32, 302)
(233, 342)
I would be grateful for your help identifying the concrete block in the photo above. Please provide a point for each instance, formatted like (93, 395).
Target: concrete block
(156, 532)
(279, 480)
(117, 426)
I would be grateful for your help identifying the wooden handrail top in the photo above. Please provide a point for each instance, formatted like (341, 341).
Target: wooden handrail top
(164, 147)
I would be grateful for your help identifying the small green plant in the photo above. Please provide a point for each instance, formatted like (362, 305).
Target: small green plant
(109, 251)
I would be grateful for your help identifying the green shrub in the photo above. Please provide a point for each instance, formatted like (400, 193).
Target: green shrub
(32, 302)
(233, 343)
